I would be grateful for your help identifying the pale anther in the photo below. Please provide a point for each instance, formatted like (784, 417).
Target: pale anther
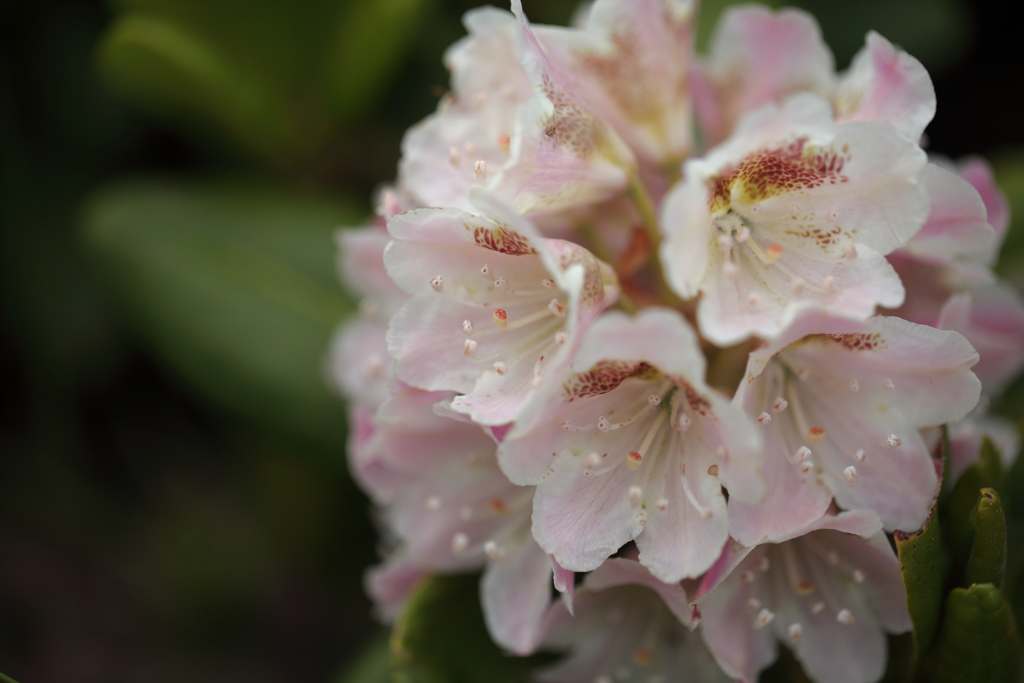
(635, 494)
(453, 155)
(500, 317)
(437, 283)
(493, 550)
(547, 282)
(683, 422)
(772, 252)
(753, 298)
(467, 328)
(633, 460)
(593, 460)
(802, 453)
(803, 373)
(501, 283)
(603, 424)
(894, 440)
(661, 504)
(859, 575)
(747, 576)
(806, 466)
(724, 242)
(795, 631)
(889, 384)
(561, 338)
(729, 269)
(500, 368)
(859, 455)
(743, 235)
(815, 435)
(713, 471)
(460, 542)
(763, 419)
(432, 503)
(832, 558)
(753, 604)
(469, 148)
(844, 617)
(557, 308)
(503, 143)
(566, 426)
(762, 564)
(486, 270)
(818, 608)
(654, 399)
(780, 404)
(469, 348)
(764, 617)
(797, 285)
(850, 475)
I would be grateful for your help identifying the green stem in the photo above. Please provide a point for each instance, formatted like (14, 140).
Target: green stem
(6, 679)
(642, 201)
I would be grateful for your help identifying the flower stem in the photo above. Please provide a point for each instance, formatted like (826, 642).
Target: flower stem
(642, 201)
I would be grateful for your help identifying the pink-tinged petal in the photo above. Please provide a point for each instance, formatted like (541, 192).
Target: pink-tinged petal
(978, 173)
(630, 63)
(680, 541)
(957, 230)
(742, 652)
(487, 59)
(561, 155)
(361, 262)
(758, 56)
(889, 86)
(991, 317)
(584, 520)
(565, 582)
(966, 436)
(515, 593)
(390, 584)
(623, 572)
(883, 583)
(358, 361)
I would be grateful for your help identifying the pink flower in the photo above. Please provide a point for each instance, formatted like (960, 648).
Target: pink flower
(845, 405)
(495, 309)
(450, 509)
(793, 213)
(627, 626)
(830, 591)
(634, 445)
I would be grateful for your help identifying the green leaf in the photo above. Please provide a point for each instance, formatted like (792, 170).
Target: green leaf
(959, 508)
(441, 638)
(372, 666)
(920, 557)
(987, 563)
(979, 642)
(233, 286)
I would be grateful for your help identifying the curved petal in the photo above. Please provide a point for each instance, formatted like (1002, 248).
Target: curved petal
(515, 592)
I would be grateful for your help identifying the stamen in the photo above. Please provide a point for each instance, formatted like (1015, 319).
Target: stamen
(437, 283)
(797, 285)
(633, 459)
(683, 423)
(772, 252)
(850, 475)
(661, 504)
(889, 384)
(780, 404)
(453, 155)
(704, 512)
(828, 283)
(432, 503)
(795, 631)
(503, 143)
(747, 576)
(467, 328)
(763, 419)
(561, 338)
(859, 455)
(724, 242)
(593, 460)
(654, 399)
(729, 269)
(548, 283)
(501, 283)
(557, 308)
(845, 617)
(815, 435)
(802, 453)
(497, 506)
(713, 471)
(500, 368)
(859, 575)
(832, 558)
(753, 604)
(764, 617)
(806, 466)
(753, 299)
(635, 494)
(480, 168)
(486, 271)
(818, 608)
(762, 563)
(850, 251)
(500, 318)
(854, 385)
(894, 440)
(493, 550)
(469, 348)
(804, 588)
(460, 542)
(743, 235)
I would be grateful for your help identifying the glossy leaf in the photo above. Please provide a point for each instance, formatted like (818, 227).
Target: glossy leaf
(987, 563)
(979, 642)
(441, 638)
(233, 287)
(920, 557)
(959, 508)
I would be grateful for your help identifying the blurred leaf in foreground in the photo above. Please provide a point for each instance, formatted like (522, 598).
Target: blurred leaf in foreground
(959, 508)
(233, 286)
(987, 563)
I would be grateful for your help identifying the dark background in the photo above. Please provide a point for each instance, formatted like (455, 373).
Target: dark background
(156, 522)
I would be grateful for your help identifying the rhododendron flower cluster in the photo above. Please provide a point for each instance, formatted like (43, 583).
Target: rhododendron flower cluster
(660, 341)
